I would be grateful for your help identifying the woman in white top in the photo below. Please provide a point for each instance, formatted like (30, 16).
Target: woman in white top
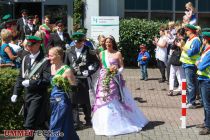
(161, 52)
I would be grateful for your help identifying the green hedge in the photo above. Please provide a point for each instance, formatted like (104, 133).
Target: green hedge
(134, 32)
(9, 118)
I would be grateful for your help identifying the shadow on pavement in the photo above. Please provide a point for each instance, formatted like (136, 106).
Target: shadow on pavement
(153, 79)
(190, 126)
(140, 100)
(152, 125)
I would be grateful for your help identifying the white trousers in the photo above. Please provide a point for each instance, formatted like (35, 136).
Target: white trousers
(176, 71)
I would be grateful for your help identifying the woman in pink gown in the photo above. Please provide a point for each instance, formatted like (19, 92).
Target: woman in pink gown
(46, 27)
(114, 111)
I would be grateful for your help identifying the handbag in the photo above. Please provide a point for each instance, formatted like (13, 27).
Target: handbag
(175, 57)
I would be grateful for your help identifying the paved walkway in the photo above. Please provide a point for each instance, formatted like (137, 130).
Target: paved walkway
(163, 112)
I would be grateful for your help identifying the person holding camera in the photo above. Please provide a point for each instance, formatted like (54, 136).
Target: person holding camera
(176, 70)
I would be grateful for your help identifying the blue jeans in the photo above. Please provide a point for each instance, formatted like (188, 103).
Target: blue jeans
(205, 92)
(144, 74)
(191, 79)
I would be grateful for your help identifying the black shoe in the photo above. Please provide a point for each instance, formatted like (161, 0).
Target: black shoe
(79, 126)
(200, 125)
(162, 80)
(88, 124)
(145, 79)
(179, 93)
(141, 78)
(204, 131)
(170, 93)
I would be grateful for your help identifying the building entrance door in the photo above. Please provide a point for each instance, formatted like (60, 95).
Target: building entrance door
(34, 8)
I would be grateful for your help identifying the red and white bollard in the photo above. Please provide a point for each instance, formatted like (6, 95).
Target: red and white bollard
(184, 99)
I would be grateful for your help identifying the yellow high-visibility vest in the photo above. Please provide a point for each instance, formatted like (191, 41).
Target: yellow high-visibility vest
(206, 71)
(184, 56)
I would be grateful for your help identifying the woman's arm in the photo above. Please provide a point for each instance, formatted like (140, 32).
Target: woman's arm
(70, 76)
(9, 53)
(161, 43)
(7, 65)
(121, 64)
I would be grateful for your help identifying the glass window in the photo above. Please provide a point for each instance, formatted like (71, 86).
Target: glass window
(179, 16)
(141, 4)
(6, 9)
(180, 4)
(34, 8)
(204, 20)
(161, 4)
(204, 5)
(130, 4)
(161, 16)
(143, 15)
(136, 4)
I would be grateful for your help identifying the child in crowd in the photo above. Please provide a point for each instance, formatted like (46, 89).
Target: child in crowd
(190, 13)
(185, 20)
(143, 59)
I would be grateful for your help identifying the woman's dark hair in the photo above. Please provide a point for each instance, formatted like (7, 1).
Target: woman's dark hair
(114, 44)
(181, 31)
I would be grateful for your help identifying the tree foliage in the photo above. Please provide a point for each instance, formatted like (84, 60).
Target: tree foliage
(78, 13)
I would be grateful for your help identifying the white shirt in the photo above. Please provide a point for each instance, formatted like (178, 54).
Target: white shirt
(60, 35)
(78, 51)
(15, 47)
(161, 53)
(33, 57)
(24, 21)
(30, 26)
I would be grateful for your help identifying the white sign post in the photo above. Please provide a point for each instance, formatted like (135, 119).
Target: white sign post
(104, 25)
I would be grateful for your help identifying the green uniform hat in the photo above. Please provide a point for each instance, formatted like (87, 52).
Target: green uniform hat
(78, 36)
(82, 30)
(30, 17)
(6, 17)
(32, 40)
(206, 35)
(190, 27)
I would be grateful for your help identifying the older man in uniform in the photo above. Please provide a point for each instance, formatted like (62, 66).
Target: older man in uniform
(190, 53)
(34, 78)
(203, 65)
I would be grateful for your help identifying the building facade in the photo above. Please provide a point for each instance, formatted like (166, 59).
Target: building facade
(167, 9)
(147, 9)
